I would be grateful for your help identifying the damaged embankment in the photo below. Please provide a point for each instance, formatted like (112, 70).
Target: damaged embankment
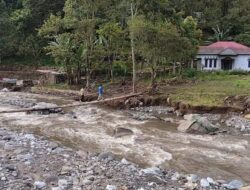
(156, 143)
(232, 104)
(69, 105)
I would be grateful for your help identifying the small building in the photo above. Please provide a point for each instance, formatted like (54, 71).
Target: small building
(51, 77)
(224, 56)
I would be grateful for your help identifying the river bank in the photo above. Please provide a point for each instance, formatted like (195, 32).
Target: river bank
(138, 135)
(32, 162)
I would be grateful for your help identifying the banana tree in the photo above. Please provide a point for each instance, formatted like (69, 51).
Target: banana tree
(62, 51)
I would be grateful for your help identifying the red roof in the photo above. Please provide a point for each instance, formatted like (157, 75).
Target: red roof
(223, 47)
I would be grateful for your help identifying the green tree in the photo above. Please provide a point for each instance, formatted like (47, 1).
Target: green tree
(155, 41)
(111, 37)
(191, 37)
(80, 22)
(7, 32)
(62, 50)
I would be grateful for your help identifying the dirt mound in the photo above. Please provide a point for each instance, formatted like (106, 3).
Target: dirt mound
(184, 108)
(239, 101)
(138, 101)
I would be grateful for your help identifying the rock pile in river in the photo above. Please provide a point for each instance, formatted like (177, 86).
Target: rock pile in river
(48, 108)
(152, 112)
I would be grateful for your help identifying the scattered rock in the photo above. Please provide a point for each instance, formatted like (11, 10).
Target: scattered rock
(210, 181)
(192, 178)
(227, 186)
(191, 186)
(152, 171)
(240, 123)
(64, 169)
(9, 146)
(4, 90)
(10, 168)
(48, 108)
(62, 183)
(111, 187)
(176, 176)
(236, 184)
(39, 185)
(53, 145)
(56, 188)
(107, 156)
(204, 183)
(125, 162)
(29, 136)
(86, 182)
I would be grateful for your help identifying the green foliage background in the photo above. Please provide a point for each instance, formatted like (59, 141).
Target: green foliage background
(83, 36)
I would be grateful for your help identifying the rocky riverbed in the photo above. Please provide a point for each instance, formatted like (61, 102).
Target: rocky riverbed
(31, 162)
(88, 148)
(230, 123)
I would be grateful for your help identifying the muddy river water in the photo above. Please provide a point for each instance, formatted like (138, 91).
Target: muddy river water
(153, 142)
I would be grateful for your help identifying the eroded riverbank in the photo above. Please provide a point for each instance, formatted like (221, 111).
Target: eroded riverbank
(151, 143)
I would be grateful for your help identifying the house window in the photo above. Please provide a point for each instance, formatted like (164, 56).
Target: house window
(215, 63)
(210, 63)
(206, 63)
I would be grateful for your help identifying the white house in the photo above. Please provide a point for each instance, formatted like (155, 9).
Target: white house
(224, 56)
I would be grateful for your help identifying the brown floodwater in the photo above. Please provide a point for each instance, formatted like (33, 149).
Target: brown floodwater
(153, 142)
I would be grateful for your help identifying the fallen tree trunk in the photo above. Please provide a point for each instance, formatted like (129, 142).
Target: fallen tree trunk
(70, 105)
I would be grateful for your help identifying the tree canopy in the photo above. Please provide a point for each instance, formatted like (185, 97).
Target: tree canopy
(85, 35)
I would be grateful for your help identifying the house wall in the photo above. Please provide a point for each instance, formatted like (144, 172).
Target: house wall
(241, 63)
(204, 57)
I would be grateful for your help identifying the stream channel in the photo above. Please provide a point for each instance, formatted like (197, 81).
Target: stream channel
(151, 143)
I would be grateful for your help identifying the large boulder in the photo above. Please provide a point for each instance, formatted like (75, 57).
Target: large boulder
(196, 124)
(121, 132)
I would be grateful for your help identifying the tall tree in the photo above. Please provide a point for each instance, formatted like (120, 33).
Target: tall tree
(154, 41)
(111, 36)
(7, 32)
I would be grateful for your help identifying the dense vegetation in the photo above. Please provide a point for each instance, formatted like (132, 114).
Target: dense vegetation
(112, 36)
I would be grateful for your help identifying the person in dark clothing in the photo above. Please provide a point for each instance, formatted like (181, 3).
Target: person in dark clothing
(100, 92)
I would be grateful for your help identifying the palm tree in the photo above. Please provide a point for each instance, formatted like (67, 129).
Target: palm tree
(220, 34)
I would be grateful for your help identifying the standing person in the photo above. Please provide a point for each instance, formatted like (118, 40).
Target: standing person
(100, 92)
(82, 94)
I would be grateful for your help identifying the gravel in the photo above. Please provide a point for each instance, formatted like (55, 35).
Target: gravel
(37, 163)
(239, 123)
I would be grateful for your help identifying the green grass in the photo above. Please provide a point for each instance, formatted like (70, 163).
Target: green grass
(58, 86)
(212, 89)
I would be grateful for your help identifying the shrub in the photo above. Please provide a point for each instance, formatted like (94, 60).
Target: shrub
(239, 72)
(190, 73)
